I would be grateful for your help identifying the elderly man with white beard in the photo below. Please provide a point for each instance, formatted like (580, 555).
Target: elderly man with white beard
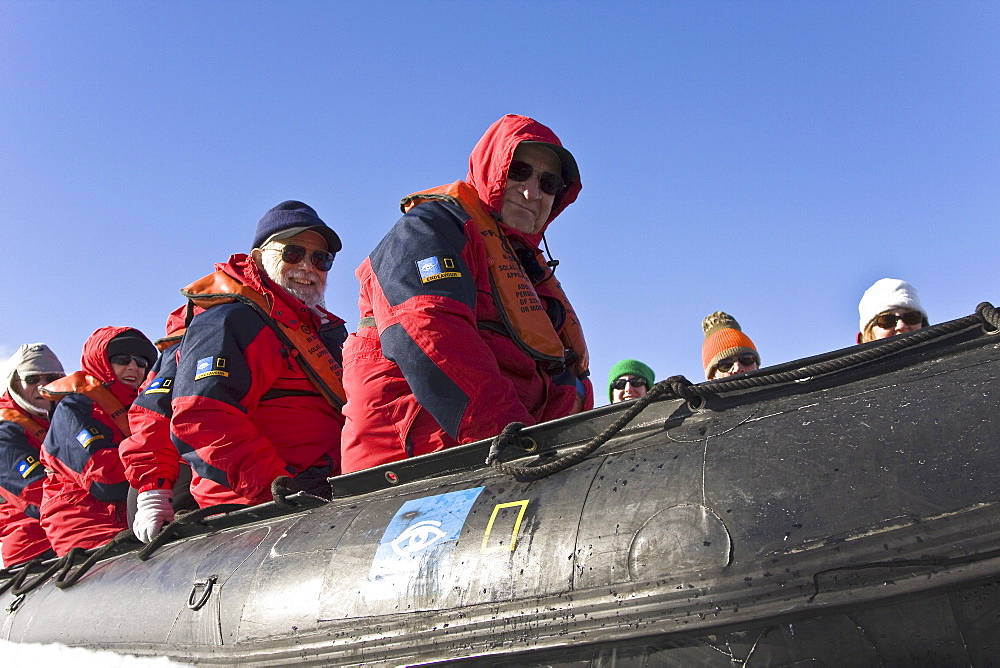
(258, 392)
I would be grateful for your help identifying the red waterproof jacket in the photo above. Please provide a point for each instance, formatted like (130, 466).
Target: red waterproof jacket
(150, 459)
(21, 478)
(433, 363)
(83, 501)
(244, 410)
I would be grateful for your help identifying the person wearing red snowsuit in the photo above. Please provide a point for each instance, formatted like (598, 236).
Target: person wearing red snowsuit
(444, 354)
(245, 412)
(151, 461)
(83, 500)
(22, 429)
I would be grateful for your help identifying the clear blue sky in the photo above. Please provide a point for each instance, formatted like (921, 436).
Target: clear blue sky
(771, 159)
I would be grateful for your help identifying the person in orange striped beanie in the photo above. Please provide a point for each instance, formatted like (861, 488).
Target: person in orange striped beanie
(726, 350)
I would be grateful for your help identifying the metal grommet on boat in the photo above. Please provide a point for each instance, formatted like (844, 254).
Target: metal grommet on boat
(528, 444)
(196, 601)
(990, 330)
(392, 478)
(16, 603)
(696, 404)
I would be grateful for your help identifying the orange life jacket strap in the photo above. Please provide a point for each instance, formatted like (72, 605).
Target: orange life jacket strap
(522, 311)
(323, 371)
(26, 422)
(95, 390)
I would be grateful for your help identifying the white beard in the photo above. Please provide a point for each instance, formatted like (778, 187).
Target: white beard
(311, 295)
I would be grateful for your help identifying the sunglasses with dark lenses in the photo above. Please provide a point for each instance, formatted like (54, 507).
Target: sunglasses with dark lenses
(746, 359)
(125, 358)
(634, 382)
(293, 254)
(41, 378)
(549, 183)
(889, 320)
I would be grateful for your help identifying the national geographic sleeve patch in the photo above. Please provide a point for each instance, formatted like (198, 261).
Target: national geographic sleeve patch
(86, 436)
(210, 366)
(437, 267)
(160, 386)
(27, 465)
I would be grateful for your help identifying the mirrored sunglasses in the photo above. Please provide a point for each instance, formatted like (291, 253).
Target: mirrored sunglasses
(125, 358)
(889, 320)
(293, 254)
(549, 183)
(634, 382)
(41, 378)
(727, 363)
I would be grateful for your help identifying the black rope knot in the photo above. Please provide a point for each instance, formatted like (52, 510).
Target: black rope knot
(283, 487)
(680, 387)
(989, 315)
(511, 435)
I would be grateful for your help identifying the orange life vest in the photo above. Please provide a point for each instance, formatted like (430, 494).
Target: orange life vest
(95, 390)
(322, 369)
(26, 422)
(517, 300)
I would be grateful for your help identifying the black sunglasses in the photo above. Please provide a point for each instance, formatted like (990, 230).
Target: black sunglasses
(889, 320)
(746, 359)
(549, 183)
(293, 254)
(620, 383)
(125, 358)
(41, 378)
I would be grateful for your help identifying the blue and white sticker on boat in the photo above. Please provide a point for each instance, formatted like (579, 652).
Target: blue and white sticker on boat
(423, 532)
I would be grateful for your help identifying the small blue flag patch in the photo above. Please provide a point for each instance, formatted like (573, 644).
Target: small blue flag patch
(87, 436)
(160, 386)
(436, 267)
(27, 465)
(210, 366)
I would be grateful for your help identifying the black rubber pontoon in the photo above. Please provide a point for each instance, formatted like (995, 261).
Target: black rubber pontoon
(840, 509)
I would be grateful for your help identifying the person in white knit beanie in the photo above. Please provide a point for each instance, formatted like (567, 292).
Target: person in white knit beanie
(890, 307)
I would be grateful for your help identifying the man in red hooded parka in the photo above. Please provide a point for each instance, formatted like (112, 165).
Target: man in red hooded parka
(464, 327)
(83, 501)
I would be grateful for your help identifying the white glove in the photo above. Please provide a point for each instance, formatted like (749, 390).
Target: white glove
(154, 509)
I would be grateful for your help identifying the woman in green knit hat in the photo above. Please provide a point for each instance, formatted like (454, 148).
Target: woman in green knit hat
(629, 379)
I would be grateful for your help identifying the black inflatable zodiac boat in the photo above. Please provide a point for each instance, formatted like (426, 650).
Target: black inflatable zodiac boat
(838, 509)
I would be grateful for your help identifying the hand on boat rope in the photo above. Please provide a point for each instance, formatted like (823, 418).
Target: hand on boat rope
(154, 510)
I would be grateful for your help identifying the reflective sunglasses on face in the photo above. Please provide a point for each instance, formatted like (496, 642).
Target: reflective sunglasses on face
(746, 359)
(889, 320)
(548, 183)
(41, 378)
(293, 254)
(125, 358)
(634, 382)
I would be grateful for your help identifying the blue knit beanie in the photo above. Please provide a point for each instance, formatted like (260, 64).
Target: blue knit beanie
(634, 367)
(290, 218)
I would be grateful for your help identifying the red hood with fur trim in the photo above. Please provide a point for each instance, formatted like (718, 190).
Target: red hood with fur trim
(491, 158)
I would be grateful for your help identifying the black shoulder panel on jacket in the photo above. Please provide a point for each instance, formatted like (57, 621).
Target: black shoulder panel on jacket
(156, 397)
(434, 390)
(213, 360)
(422, 255)
(74, 434)
(19, 463)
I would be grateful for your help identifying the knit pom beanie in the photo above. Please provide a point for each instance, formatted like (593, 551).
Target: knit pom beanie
(888, 294)
(633, 367)
(723, 338)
